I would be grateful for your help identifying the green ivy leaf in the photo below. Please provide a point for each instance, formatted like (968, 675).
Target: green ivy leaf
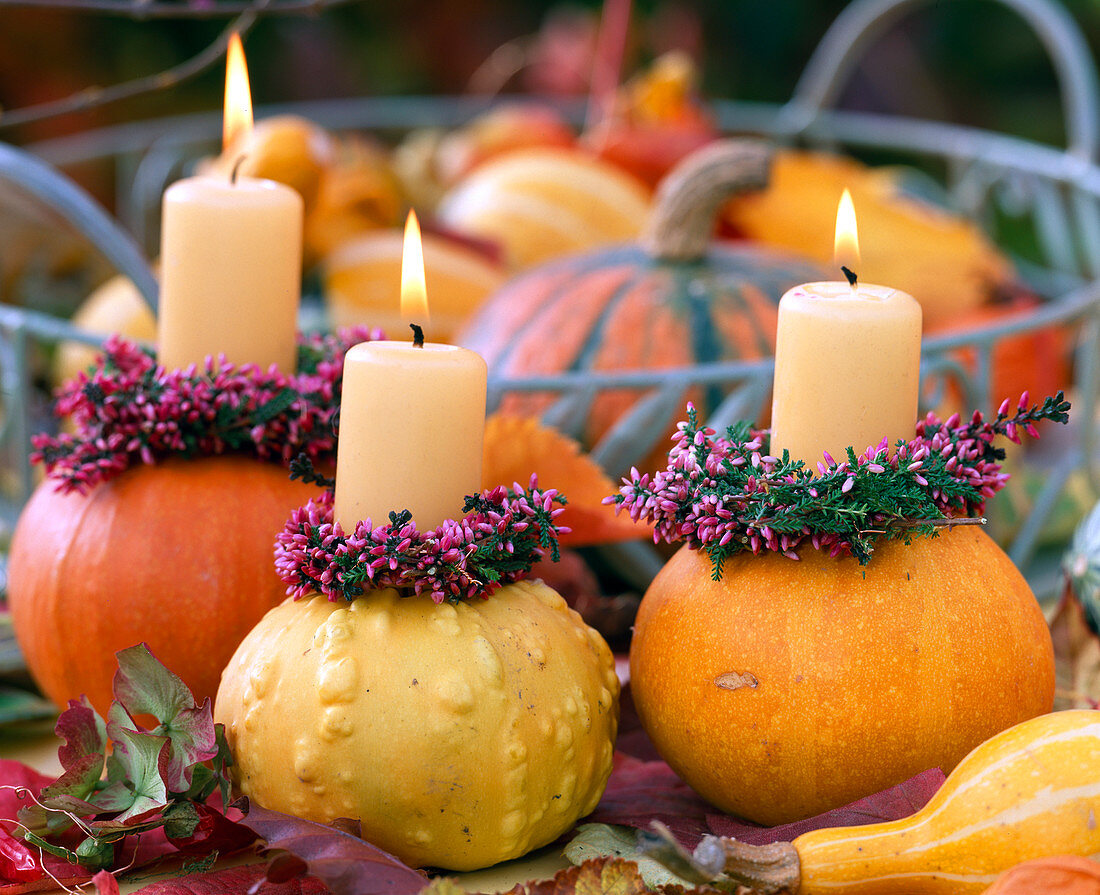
(143, 686)
(135, 768)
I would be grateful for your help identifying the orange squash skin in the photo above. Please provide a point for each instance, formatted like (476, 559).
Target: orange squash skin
(178, 555)
(1031, 792)
(790, 688)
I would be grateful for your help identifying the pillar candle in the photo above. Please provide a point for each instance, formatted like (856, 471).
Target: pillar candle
(412, 423)
(847, 369)
(231, 263)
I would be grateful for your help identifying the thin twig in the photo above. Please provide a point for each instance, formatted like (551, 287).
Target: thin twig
(94, 97)
(171, 9)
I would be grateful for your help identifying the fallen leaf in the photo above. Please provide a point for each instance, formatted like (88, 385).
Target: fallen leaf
(516, 447)
(105, 883)
(601, 876)
(890, 804)
(1076, 656)
(233, 881)
(605, 841)
(642, 791)
(347, 865)
(639, 792)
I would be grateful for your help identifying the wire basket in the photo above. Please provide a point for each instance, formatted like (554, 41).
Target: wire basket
(1057, 191)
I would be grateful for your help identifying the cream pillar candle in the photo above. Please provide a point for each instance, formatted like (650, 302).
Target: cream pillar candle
(412, 419)
(412, 422)
(231, 267)
(847, 369)
(231, 258)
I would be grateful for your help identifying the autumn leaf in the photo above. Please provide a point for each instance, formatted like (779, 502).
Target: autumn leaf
(601, 876)
(516, 447)
(890, 804)
(346, 864)
(232, 881)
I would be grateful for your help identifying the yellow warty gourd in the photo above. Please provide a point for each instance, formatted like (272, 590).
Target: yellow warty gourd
(460, 735)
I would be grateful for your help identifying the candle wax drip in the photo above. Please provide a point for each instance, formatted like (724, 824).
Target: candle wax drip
(418, 335)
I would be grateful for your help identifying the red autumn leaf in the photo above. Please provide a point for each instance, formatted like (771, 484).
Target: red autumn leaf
(344, 863)
(105, 883)
(642, 791)
(890, 804)
(17, 862)
(234, 881)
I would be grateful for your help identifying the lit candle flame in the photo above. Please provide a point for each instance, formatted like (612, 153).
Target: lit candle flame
(846, 241)
(414, 293)
(237, 123)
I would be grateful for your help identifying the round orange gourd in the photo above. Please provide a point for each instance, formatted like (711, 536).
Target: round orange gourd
(546, 202)
(178, 555)
(790, 688)
(363, 282)
(675, 300)
(460, 735)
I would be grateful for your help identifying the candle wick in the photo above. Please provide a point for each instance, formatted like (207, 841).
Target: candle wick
(236, 168)
(850, 276)
(418, 335)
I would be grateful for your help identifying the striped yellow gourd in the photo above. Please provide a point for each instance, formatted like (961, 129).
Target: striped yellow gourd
(1032, 791)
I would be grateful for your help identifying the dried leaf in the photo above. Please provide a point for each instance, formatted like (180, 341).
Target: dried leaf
(234, 881)
(347, 865)
(601, 876)
(105, 883)
(639, 792)
(516, 447)
(890, 804)
(605, 841)
(1076, 657)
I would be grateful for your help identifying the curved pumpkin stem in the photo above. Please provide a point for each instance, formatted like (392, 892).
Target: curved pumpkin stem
(688, 199)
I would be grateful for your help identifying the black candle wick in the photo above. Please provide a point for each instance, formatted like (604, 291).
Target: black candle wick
(418, 335)
(850, 276)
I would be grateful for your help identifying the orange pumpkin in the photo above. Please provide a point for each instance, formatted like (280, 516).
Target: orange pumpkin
(673, 301)
(790, 688)
(546, 202)
(178, 555)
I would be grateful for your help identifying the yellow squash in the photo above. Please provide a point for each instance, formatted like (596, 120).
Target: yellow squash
(460, 735)
(1031, 791)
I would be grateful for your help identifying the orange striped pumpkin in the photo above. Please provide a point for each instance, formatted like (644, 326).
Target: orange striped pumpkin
(673, 300)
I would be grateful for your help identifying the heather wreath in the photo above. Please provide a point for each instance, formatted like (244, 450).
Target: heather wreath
(503, 533)
(727, 495)
(128, 410)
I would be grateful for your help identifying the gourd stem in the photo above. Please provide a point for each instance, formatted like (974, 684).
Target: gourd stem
(688, 199)
(766, 869)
